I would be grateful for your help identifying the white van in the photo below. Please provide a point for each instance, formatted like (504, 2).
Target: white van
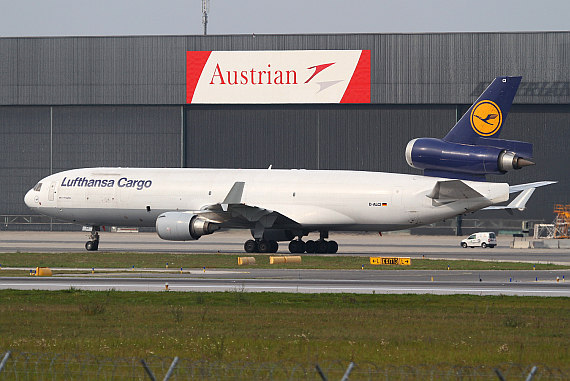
(482, 239)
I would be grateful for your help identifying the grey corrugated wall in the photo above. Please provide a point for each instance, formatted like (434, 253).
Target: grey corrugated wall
(37, 141)
(361, 137)
(25, 154)
(439, 68)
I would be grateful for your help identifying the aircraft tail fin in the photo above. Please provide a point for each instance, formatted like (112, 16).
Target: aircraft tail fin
(487, 115)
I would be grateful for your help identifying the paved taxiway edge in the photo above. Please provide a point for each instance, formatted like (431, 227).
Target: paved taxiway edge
(443, 282)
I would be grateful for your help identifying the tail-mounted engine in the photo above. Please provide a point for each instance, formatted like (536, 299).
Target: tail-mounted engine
(438, 157)
(180, 226)
(472, 149)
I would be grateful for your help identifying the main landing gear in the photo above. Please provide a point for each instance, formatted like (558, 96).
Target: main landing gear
(322, 246)
(93, 243)
(296, 246)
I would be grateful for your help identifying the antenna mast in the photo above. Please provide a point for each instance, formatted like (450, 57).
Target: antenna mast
(205, 9)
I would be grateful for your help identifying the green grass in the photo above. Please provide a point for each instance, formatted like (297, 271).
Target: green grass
(101, 260)
(304, 328)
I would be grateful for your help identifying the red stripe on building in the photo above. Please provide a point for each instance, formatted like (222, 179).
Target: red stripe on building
(358, 90)
(195, 62)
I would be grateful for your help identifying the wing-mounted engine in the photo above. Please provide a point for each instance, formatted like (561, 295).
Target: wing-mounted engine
(472, 149)
(183, 226)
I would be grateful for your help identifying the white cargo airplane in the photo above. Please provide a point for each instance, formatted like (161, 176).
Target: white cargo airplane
(286, 205)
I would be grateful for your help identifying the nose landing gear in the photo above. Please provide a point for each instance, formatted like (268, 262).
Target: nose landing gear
(93, 243)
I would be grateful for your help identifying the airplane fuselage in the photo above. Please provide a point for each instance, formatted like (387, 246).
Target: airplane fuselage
(286, 205)
(317, 200)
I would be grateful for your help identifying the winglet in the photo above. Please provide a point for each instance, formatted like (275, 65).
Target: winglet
(234, 195)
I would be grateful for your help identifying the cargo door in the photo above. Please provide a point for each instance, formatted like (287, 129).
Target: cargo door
(100, 192)
(412, 205)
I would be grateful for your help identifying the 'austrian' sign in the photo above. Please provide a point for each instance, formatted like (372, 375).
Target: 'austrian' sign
(290, 76)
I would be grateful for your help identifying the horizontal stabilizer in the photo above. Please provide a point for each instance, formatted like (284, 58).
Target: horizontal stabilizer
(520, 201)
(521, 187)
(448, 191)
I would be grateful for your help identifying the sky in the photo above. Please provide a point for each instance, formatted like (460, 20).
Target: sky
(23, 18)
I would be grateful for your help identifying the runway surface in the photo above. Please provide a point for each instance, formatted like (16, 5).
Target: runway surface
(528, 283)
(434, 247)
(524, 283)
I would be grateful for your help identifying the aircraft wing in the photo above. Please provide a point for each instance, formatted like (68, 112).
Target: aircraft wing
(233, 213)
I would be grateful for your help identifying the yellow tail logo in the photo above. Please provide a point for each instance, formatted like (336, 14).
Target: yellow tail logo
(486, 118)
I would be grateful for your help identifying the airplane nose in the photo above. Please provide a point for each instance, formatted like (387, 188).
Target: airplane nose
(29, 199)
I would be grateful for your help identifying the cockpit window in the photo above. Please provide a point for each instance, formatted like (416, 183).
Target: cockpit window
(38, 187)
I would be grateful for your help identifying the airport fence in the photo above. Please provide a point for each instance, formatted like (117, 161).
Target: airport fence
(50, 366)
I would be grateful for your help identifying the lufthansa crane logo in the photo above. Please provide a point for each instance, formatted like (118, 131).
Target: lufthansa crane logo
(486, 118)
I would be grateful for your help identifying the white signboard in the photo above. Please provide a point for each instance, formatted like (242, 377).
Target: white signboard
(299, 76)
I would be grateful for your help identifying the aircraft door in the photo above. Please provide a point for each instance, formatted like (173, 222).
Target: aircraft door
(52, 191)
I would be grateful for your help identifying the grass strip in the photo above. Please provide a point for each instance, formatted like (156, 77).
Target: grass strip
(101, 260)
(302, 328)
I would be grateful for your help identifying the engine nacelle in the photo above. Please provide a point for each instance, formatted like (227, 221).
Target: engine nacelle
(438, 155)
(181, 226)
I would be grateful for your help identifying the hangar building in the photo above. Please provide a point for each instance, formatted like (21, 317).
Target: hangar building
(69, 102)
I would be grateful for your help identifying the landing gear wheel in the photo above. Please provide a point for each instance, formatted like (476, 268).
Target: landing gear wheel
(483, 245)
(274, 246)
(332, 247)
(250, 246)
(463, 245)
(93, 243)
(310, 247)
(292, 247)
(322, 247)
(263, 246)
(297, 247)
